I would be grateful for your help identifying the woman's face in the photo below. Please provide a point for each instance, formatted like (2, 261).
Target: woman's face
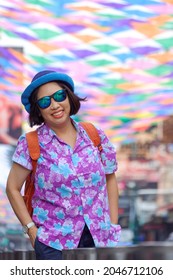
(58, 113)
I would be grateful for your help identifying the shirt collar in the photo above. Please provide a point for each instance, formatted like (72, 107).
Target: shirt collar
(47, 134)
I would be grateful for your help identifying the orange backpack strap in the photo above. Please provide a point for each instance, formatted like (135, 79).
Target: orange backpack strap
(34, 149)
(34, 152)
(33, 144)
(92, 132)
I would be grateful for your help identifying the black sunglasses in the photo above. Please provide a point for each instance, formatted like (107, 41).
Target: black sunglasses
(58, 96)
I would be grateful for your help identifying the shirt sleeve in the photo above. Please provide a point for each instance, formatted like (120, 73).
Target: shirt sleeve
(108, 154)
(21, 154)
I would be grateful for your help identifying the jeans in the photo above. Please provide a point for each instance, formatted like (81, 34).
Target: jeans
(44, 252)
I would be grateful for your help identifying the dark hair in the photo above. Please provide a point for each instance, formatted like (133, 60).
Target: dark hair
(35, 117)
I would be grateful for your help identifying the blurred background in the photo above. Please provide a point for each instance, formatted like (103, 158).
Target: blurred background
(120, 55)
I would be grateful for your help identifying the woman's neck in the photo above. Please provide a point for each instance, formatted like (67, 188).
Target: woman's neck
(67, 132)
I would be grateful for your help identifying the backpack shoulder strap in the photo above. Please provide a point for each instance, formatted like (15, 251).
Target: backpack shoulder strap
(92, 132)
(34, 152)
(33, 144)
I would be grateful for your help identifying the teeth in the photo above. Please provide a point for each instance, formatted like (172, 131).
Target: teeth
(57, 114)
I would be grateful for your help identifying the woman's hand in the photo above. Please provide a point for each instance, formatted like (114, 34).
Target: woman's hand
(32, 233)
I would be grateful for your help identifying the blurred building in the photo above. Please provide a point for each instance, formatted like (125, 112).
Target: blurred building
(145, 179)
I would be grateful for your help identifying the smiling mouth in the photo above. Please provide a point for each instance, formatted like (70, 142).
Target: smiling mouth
(58, 114)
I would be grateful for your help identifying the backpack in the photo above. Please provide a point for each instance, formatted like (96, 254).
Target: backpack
(34, 151)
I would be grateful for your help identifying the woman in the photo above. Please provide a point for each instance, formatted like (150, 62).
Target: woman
(76, 195)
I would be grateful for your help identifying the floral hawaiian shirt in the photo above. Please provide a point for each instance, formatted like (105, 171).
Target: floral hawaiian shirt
(70, 188)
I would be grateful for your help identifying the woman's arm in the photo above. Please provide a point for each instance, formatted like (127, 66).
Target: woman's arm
(15, 181)
(112, 189)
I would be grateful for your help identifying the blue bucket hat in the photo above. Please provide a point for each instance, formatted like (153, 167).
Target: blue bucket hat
(42, 78)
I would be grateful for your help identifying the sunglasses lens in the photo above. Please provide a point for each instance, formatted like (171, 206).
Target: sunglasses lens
(59, 95)
(44, 102)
